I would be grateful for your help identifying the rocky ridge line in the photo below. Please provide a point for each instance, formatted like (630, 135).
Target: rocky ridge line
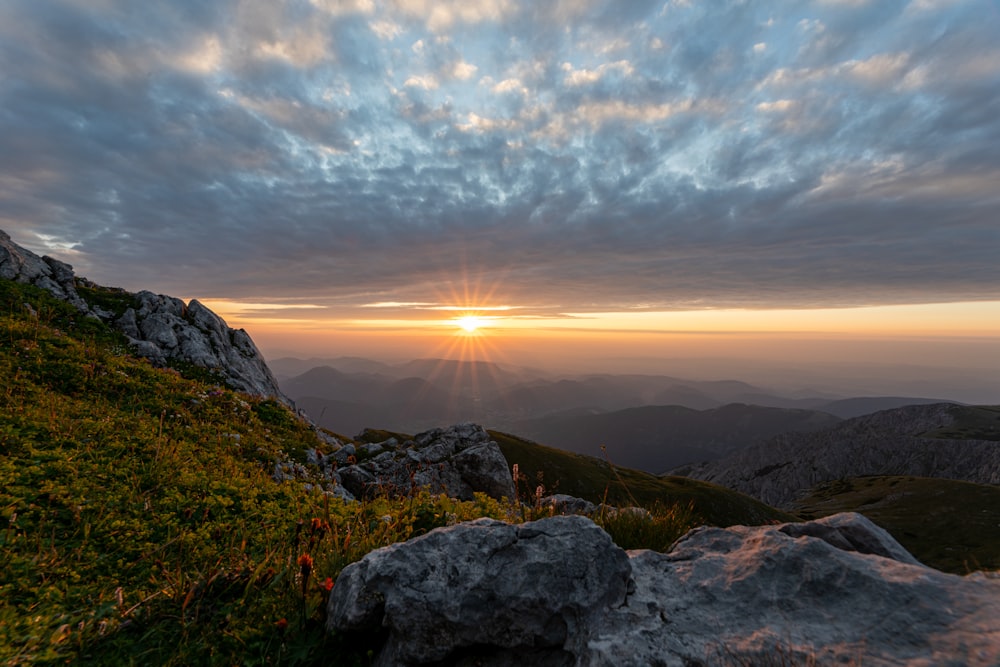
(159, 328)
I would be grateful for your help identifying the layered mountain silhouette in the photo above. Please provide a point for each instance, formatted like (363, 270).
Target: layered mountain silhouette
(650, 422)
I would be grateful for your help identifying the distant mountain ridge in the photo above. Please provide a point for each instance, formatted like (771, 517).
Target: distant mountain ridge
(657, 438)
(938, 440)
(348, 394)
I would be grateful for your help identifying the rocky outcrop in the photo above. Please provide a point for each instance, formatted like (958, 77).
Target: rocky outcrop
(161, 328)
(486, 592)
(458, 461)
(835, 591)
(24, 266)
(784, 468)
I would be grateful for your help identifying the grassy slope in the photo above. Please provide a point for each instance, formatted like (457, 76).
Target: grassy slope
(590, 478)
(950, 525)
(138, 518)
(972, 422)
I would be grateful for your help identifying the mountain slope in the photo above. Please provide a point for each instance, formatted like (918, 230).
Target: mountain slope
(950, 525)
(163, 329)
(915, 440)
(865, 405)
(597, 481)
(658, 438)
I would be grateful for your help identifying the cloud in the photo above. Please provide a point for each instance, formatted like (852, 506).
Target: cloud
(509, 86)
(442, 15)
(582, 77)
(776, 107)
(426, 81)
(463, 70)
(566, 156)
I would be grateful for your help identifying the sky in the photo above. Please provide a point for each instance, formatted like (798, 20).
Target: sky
(599, 177)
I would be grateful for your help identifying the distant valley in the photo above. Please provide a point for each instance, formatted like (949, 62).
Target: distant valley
(649, 422)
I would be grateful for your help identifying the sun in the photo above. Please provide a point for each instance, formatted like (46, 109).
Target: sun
(469, 323)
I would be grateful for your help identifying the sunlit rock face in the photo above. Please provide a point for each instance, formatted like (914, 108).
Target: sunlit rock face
(458, 461)
(835, 591)
(163, 328)
(160, 328)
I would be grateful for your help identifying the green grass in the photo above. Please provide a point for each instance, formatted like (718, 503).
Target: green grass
(600, 481)
(115, 300)
(138, 518)
(950, 525)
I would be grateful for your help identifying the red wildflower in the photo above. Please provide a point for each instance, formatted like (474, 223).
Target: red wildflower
(305, 565)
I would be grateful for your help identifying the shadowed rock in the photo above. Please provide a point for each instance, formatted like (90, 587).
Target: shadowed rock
(163, 328)
(485, 590)
(24, 266)
(458, 461)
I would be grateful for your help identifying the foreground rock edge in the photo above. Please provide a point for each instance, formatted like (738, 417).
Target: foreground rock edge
(557, 591)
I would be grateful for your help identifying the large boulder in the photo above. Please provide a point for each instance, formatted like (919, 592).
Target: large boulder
(486, 592)
(458, 461)
(835, 591)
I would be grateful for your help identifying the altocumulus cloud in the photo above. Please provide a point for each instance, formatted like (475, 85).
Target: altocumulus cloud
(572, 156)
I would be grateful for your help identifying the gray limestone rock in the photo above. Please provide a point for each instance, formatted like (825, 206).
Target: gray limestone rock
(343, 455)
(159, 328)
(483, 467)
(835, 591)
(795, 592)
(24, 266)
(163, 328)
(520, 592)
(458, 461)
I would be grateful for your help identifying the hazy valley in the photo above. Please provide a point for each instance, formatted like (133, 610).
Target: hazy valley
(650, 422)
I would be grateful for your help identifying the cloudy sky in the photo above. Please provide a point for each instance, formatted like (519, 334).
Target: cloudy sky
(316, 164)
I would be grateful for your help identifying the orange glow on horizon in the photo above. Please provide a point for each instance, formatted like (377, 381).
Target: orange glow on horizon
(453, 328)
